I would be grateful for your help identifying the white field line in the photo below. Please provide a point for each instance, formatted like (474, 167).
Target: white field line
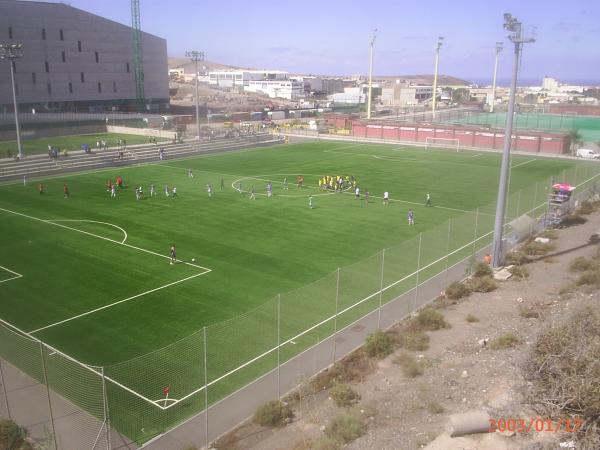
(116, 303)
(206, 269)
(94, 221)
(523, 163)
(16, 275)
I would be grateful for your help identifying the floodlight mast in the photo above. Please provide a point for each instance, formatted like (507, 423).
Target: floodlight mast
(196, 56)
(499, 48)
(12, 52)
(371, 72)
(440, 42)
(516, 37)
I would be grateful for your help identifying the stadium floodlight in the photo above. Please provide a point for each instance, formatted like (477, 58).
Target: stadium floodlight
(12, 52)
(196, 56)
(440, 42)
(499, 48)
(371, 72)
(516, 37)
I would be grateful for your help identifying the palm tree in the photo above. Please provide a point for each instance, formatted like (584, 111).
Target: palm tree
(575, 137)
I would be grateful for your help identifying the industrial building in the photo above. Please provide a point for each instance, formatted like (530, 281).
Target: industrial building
(227, 79)
(403, 95)
(73, 60)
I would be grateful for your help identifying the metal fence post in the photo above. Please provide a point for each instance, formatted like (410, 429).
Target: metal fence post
(205, 390)
(48, 393)
(519, 204)
(475, 232)
(278, 346)
(4, 389)
(106, 413)
(447, 256)
(380, 290)
(337, 295)
(534, 211)
(418, 269)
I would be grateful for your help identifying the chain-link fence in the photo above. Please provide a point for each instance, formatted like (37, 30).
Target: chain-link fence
(145, 397)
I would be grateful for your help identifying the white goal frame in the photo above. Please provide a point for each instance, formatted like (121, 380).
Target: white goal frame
(539, 110)
(436, 142)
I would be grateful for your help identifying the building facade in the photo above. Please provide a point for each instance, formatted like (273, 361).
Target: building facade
(403, 95)
(227, 79)
(76, 61)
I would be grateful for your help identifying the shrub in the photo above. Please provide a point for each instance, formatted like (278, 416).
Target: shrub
(518, 258)
(507, 340)
(483, 284)
(378, 345)
(586, 208)
(471, 318)
(482, 270)
(414, 340)
(429, 319)
(581, 264)
(409, 364)
(343, 395)
(325, 443)
(13, 436)
(529, 313)
(345, 427)
(564, 382)
(549, 234)
(589, 277)
(573, 219)
(519, 272)
(457, 291)
(435, 408)
(354, 367)
(538, 248)
(273, 414)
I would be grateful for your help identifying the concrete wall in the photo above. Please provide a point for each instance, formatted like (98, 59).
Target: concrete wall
(38, 26)
(150, 132)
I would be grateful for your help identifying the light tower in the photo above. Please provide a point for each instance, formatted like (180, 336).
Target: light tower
(371, 73)
(196, 56)
(138, 66)
(440, 41)
(516, 37)
(10, 53)
(499, 47)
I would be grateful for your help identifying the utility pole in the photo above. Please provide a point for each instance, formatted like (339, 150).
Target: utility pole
(499, 47)
(10, 53)
(440, 41)
(516, 37)
(196, 56)
(371, 73)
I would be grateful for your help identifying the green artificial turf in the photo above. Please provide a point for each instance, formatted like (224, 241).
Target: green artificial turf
(69, 143)
(251, 258)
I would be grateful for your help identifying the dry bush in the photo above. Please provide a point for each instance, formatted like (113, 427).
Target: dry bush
(345, 427)
(507, 340)
(589, 277)
(549, 234)
(519, 272)
(379, 345)
(482, 270)
(415, 340)
(533, 248)
(457, 291)
(409, 364)
(429, 319)
(581, 264)
(343, 395)
(586, 208)
(471, 318)
(326, 443)
(13, 436)
(529, 313)
(483, 284)
(563, 371)
(517, 258)
(352, 368)
(434, 407)
(273, 414)
(573, 219)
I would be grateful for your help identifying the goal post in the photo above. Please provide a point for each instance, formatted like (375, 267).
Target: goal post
(435, 142)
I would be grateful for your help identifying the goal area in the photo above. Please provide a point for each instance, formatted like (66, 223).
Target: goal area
(432, 142)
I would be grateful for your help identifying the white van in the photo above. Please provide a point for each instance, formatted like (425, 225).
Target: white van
(587, 153)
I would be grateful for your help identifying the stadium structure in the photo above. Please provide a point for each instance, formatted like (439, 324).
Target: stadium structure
(77, 61)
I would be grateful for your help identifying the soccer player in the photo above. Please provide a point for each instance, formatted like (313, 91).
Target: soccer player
(357, 193)
(240, 187)
(174, 191)
(41, 188)
(137, 193)
(167, 190)
(190, 173)
(222, 183)
(386, 197)
(113, 191)
(152, 190)
(120, 181)
(285, 183)
(411, 217)
(428, 200)
(66, 190)
(173, 254)
(269, 189)
(310, 202)
(209, 189)
(108, 185)
(366, 197)
(253, 194)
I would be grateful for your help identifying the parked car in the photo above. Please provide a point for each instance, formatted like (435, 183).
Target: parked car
(587, 153)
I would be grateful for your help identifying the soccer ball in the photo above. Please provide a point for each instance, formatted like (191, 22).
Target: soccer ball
(193, 259)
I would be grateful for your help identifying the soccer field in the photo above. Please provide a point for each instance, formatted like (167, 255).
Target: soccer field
(90, 275)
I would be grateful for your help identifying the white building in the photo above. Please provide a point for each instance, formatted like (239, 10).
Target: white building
(351, 95)
(227, 79)
(288, 89)
(405, 95)
(323, 85)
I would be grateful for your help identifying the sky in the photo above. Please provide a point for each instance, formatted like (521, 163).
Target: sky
(332, 37)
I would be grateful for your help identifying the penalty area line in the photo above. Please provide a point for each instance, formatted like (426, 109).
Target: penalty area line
(60, 322)
(16, 275)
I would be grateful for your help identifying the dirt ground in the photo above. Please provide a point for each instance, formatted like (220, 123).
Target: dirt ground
(462, 374)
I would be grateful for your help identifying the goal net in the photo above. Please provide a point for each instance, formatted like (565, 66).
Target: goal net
(432, 142)
(539, 110)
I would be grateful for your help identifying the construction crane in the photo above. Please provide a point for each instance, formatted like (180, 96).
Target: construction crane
(138, 67)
